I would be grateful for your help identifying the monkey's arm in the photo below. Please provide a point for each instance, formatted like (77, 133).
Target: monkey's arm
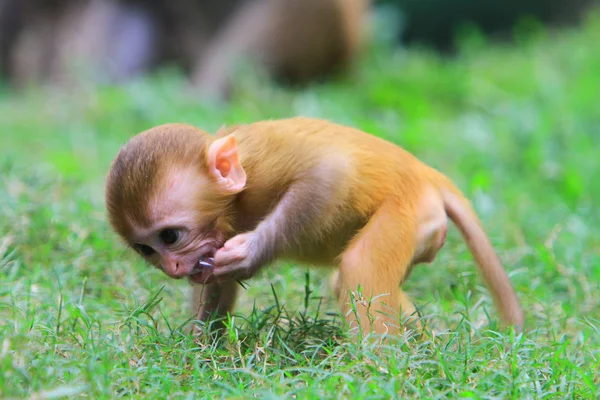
(301, 210)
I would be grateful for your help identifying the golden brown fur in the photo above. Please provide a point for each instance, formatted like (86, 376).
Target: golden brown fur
(319, 193)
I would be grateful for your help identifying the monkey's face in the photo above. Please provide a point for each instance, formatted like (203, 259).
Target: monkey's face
(179, 220)
(187, 225)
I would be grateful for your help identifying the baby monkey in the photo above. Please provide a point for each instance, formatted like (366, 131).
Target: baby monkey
(216, 209)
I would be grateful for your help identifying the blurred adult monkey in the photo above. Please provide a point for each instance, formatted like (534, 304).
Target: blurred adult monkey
(295, 40)
(115, 38)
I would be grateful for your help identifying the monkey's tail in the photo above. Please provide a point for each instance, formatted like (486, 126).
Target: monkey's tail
(459, 210)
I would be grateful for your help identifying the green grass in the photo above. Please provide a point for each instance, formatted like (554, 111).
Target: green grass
(518, 129)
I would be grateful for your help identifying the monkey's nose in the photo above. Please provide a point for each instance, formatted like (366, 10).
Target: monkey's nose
(175, 268)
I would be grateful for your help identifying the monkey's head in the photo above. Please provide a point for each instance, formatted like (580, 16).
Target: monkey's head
(169, 195)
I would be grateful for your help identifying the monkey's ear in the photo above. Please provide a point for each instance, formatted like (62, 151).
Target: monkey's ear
(224, 164)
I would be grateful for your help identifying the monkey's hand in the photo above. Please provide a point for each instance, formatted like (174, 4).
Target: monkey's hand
(238, 259)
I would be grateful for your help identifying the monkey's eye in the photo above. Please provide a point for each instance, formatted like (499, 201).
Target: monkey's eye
(145, 250)
(169, 236)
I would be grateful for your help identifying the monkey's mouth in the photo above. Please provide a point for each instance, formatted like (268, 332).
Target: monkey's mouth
(203, 264)
(203, 267)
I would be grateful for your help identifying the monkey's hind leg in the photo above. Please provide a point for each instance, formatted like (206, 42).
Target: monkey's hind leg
(377, 260)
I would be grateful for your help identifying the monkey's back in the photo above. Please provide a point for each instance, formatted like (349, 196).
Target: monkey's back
(369, 170)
